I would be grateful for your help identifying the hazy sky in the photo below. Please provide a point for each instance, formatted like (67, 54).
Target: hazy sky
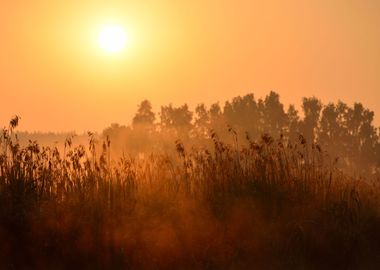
(55, 76)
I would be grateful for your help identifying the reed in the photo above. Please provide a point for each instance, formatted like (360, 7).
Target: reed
(266, 204)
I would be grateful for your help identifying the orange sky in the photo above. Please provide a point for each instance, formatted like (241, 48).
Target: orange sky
(54, 76)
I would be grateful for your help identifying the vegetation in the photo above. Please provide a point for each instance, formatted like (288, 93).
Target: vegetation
(265, 202)
(347, 132)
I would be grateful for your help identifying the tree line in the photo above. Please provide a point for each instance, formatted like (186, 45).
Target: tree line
(345, 132)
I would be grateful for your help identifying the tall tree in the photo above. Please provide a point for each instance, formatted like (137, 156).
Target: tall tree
(202, 121)
(144, 116)
(177, 119)
(293, 123)
(242, 114)
(275, 118)
(142, 138)
(329, 129)
(312, 109)
(217, 121)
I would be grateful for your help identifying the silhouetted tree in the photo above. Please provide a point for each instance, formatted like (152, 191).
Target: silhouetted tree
(293, 123)
(176, 119)
(349, 134)
(274, 116)
(242, 115)
(202, 121)
(311, 108)
(345, 132)
(217, 121)
(366, 137)
(142, 138)
(329, 127)
(144, 116)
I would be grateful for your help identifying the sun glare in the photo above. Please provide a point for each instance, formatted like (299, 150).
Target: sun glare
(112, 38)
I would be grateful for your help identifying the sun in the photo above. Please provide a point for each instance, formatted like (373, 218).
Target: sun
(112, 38)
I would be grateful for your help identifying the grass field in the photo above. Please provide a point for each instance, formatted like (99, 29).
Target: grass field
(268, 205)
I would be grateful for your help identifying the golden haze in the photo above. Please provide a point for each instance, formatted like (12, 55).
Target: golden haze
(54, 75)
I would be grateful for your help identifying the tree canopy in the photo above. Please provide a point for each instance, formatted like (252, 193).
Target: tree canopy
(346, 132)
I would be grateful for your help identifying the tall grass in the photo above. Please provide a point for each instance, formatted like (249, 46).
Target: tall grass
(267, 204)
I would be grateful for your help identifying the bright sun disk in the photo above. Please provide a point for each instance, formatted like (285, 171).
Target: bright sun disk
(112, 38)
